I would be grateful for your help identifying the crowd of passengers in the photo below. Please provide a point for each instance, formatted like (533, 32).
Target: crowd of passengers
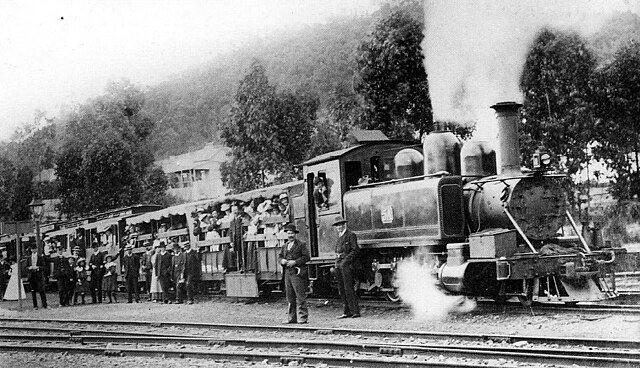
(217, 220)
(168, 277)
(171, 275)
(237, 220)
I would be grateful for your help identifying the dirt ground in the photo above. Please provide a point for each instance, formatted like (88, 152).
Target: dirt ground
(323, 314)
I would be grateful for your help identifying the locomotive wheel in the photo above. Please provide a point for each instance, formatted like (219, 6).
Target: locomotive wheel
(500, 296)
(526, 299)
(392, 296)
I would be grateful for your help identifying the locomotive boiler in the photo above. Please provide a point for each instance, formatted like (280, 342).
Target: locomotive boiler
(484, 234)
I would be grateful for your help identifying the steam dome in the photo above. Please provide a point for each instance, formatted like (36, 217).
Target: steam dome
(408, 163)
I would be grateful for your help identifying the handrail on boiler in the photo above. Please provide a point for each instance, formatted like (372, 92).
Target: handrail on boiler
(513, 221)
(575, 228)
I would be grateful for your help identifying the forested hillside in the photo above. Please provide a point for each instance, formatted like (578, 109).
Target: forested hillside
(315, 59)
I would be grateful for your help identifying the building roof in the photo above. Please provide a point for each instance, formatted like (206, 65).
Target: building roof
(364, 136)
(203, 158)
(330, 155)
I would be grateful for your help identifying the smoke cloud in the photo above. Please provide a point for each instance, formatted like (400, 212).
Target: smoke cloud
(417, 288)
(475, 49)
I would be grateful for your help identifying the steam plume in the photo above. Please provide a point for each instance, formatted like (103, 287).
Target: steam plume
(475, 49)
(417, 288)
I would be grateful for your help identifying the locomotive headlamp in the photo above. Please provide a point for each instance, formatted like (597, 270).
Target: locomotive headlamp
(541, 159)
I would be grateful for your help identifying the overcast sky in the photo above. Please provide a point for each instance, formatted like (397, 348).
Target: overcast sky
(54, 52)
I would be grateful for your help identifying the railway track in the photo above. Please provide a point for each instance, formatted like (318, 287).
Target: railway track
(311, 345)
(516, 307)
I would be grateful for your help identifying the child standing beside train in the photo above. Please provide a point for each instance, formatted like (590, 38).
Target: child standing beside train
(109, 281)
(82, 280)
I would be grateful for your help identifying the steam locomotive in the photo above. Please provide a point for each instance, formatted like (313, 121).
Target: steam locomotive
(489, 235)
(483, 233)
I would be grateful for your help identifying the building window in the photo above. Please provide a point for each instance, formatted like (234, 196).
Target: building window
(186, 179)
(174, 180)
(201, 175)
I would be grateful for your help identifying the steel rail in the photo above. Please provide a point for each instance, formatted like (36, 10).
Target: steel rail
(603, 358)
(515, 306)
(583, 308)
(243, 356)
(592, 342)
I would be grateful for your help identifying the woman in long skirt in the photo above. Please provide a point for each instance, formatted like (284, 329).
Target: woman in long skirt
(155, 290)
(11, 292)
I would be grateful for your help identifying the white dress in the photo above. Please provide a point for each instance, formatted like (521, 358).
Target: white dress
(155, 284)
(12, 288)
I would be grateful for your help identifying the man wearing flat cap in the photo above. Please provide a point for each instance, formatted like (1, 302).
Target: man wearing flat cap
(346, 264)
(294, 256)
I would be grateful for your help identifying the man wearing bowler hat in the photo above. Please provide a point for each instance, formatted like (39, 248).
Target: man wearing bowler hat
(192, 270)
(346, 264)
(130, 269)
(163, 270)
(294, 256)
(36, 266)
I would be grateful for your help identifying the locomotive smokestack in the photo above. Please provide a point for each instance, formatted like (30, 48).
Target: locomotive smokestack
(507, 115)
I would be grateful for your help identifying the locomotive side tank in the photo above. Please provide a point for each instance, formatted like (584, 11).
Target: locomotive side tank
(424, 211)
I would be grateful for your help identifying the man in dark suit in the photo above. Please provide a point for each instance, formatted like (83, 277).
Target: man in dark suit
(192, 269)
(130, 269)
(346, 266)
(177, 268)
(62, 272)
(235, 256)
(35, 267)
(163, 270)
(96, 265)
(294, 256)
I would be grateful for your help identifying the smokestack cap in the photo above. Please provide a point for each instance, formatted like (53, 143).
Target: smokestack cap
(506, 106)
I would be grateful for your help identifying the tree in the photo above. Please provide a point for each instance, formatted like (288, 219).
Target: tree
(557, 112)
(106, 162)
(7, 183)
(16, 190)
(392, 80)
(617, 101)
(22, 194)
(268, 132)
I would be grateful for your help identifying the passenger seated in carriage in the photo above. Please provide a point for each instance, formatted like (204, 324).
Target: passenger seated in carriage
(212, 225)
(163, 228)
(227, 216)
(285, 208)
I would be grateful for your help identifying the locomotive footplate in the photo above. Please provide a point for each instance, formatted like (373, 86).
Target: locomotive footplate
(531, 277)
(557, 278)
(571, 266)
